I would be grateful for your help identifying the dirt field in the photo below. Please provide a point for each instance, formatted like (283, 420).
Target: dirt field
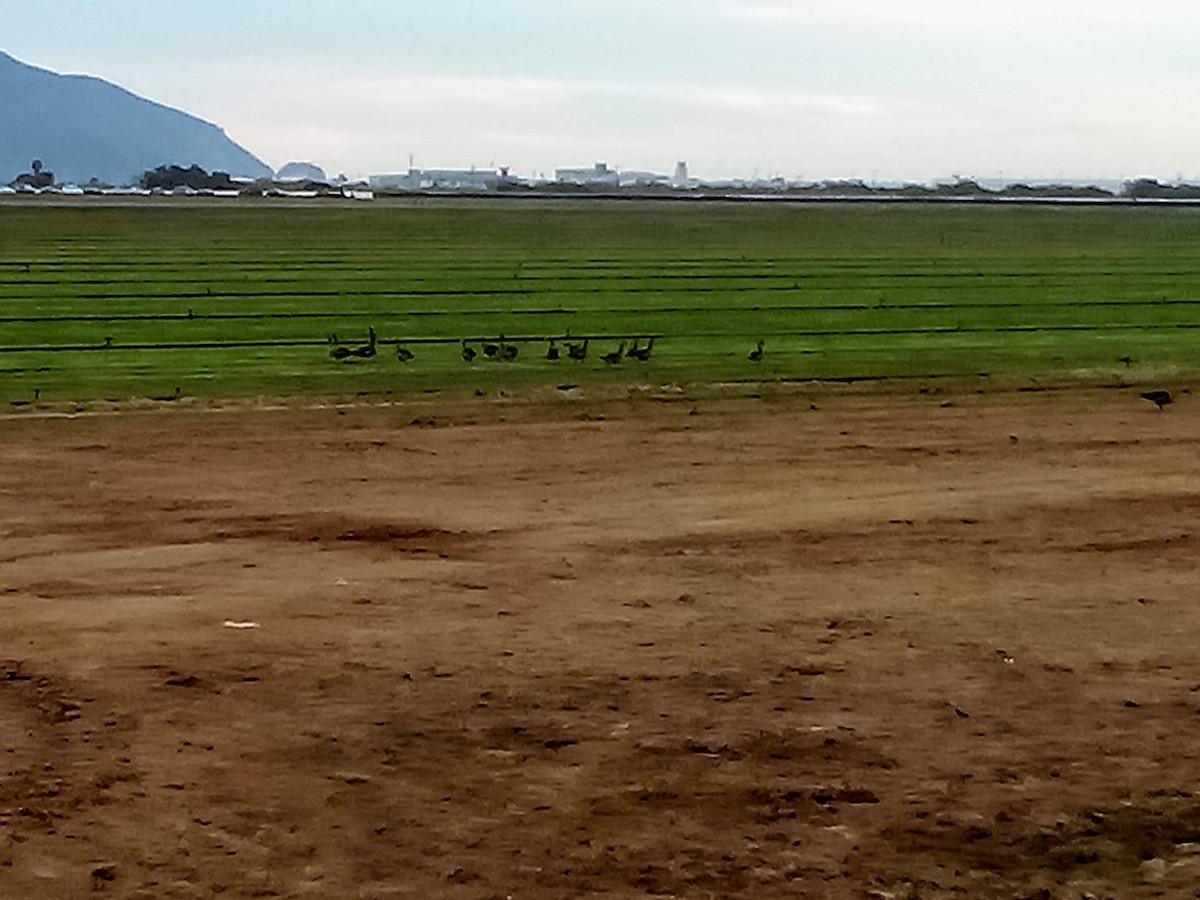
(571, 647)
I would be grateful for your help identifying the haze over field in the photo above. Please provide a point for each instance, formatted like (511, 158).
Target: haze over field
(820, 89)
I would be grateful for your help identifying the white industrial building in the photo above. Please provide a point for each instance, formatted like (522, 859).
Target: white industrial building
(442, 180)
(680, 180)
(598, 175)
(635, 179)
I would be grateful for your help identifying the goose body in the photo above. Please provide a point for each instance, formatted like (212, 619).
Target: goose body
(641, 354)
(615, 357)
(1159, 398)
(365, 352)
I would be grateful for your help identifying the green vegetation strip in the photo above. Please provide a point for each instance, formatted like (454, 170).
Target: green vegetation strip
(224, 300)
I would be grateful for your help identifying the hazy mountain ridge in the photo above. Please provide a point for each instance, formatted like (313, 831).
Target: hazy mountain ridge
(84, 127)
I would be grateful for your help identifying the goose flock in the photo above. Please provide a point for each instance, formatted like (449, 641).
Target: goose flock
(502, 349)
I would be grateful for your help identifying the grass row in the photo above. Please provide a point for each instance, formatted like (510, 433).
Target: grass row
(834, 291)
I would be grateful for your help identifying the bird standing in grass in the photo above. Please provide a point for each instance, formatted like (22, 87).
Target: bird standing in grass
(1159, 398)
(336, 350)
(552, 351)
(468, 353)
(756, 354)
(641, 354)
(615, 357)
(368, 350)
(403, 354)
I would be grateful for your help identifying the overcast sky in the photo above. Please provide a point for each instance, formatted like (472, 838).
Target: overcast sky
(890, 89)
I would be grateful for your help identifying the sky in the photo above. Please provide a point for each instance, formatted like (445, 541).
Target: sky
(886, 90)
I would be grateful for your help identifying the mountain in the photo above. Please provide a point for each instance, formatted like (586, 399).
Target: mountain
(83, 127)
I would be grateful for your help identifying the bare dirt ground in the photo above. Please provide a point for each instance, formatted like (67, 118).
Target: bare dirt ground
(734, 648)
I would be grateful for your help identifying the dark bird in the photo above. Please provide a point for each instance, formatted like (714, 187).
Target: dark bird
(403, 354)
(1158, 398)
(615, 357)
(552, 351)
(578, 351)
(336, 350)
(169, 398)
(508, 352)
(756, 354)
(641, 354)
(1128, 360)
(468, 353)
(367, 351)
(491, 349)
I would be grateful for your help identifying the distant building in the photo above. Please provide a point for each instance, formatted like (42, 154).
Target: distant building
(599, 175)
(442, 180)
(635, 179)
(680, 179)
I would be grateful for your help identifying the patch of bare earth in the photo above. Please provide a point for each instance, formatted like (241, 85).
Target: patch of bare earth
(717, 648)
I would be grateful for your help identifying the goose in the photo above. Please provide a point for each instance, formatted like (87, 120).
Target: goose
(641, 354)
(403, 354)
(552, 351)
(369, 350)
(468, 353)
(615, 357)
(756, 354)
(578, 351)
(336, 350)
(1159, 398)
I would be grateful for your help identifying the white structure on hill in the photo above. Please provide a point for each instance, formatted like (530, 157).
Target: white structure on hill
(301, 171)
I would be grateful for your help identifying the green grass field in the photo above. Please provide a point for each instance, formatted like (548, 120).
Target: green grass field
(226, 299)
